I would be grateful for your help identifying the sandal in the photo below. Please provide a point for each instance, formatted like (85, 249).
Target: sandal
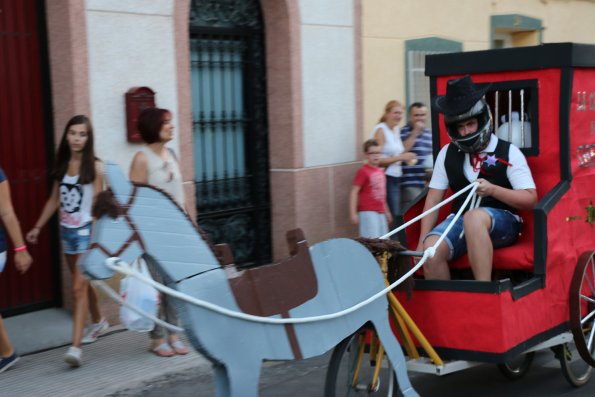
(179, 347)
(163, 350)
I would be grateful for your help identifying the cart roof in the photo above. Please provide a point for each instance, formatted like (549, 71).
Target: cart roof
(555, 55)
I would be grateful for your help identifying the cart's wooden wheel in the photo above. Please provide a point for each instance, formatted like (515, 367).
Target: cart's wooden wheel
(582, 307)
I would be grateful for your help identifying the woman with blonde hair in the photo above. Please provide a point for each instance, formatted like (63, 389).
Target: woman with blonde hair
(388, 136)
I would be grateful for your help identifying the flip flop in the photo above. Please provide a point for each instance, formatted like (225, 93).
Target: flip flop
(163, 350)
(179, 347)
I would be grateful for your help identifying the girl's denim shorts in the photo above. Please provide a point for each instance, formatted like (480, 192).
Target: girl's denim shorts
(75, 240)
(506, 227)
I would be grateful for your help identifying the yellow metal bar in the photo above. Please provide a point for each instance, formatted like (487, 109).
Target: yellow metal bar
(373, 344)
(415, 330)
(408, 344)
(403, 332)
(361, 340)
(402, 316)
(374, 382)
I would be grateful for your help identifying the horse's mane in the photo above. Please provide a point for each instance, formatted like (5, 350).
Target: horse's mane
(106, 204)
(397, 264)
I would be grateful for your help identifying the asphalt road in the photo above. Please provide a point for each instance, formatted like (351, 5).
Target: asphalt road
(306, 378)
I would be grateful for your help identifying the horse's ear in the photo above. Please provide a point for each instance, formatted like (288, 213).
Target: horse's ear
(294, 237)
(118, 183)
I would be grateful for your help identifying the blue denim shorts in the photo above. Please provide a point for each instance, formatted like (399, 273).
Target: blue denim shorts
(75, 240)
(506, 227)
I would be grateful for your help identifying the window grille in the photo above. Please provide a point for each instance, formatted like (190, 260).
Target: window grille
(514, 110)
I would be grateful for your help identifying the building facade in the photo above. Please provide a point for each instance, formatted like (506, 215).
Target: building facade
(396, 36)
(264, 97)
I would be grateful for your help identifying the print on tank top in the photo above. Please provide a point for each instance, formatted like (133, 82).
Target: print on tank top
(71, 198)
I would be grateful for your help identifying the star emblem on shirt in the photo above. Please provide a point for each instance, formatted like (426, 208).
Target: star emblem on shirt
(490, 160)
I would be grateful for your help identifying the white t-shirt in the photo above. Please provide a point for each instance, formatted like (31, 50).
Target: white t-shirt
(518, 173)
(392, 147)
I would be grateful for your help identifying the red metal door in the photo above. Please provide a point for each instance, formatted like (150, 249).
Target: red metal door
(24, 145)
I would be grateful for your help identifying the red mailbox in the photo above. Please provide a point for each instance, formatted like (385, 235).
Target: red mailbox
(137, 99)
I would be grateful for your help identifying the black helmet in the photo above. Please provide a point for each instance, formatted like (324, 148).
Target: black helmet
(465, 100)
(477, 141)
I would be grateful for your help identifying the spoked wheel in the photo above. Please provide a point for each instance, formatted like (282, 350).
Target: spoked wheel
(357, 368)
(518, 367)
(582, 307)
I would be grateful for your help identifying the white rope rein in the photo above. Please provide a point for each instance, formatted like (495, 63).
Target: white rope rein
(120, 266)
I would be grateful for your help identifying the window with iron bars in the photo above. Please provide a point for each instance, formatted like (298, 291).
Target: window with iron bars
(514, 106)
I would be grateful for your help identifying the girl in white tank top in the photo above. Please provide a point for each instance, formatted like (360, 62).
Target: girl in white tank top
(77, 177)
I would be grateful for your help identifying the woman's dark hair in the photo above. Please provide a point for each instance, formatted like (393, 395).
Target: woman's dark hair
(150, 122)
(87, 171)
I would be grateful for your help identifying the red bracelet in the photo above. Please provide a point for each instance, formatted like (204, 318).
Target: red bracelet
(21, 248)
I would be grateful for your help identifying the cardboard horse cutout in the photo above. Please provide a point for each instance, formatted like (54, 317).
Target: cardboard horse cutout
(134, 219)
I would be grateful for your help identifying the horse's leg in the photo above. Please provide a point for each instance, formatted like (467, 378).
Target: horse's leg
(395, 355)
(221, 381)
(243, 377)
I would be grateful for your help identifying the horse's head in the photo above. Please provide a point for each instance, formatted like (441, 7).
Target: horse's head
(132, 219)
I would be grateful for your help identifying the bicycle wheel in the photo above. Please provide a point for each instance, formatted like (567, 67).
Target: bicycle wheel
(518, 367)
(576, 371)
(352, 366)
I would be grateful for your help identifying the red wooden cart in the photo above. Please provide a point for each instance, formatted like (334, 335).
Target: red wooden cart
(543, 290)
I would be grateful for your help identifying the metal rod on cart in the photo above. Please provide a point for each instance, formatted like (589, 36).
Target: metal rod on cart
(509, 115)
(405, 335)
(394, 302)
(379, 355)
(402, 330)
(497, 107)
(360, 354)
(522, 117)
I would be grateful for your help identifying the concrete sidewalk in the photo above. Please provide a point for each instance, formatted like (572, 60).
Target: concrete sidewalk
(119, 360)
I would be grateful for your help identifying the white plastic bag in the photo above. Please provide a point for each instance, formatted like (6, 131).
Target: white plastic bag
(140, 295)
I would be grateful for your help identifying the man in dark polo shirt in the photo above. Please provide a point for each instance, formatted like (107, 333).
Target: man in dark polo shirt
(417, 138)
